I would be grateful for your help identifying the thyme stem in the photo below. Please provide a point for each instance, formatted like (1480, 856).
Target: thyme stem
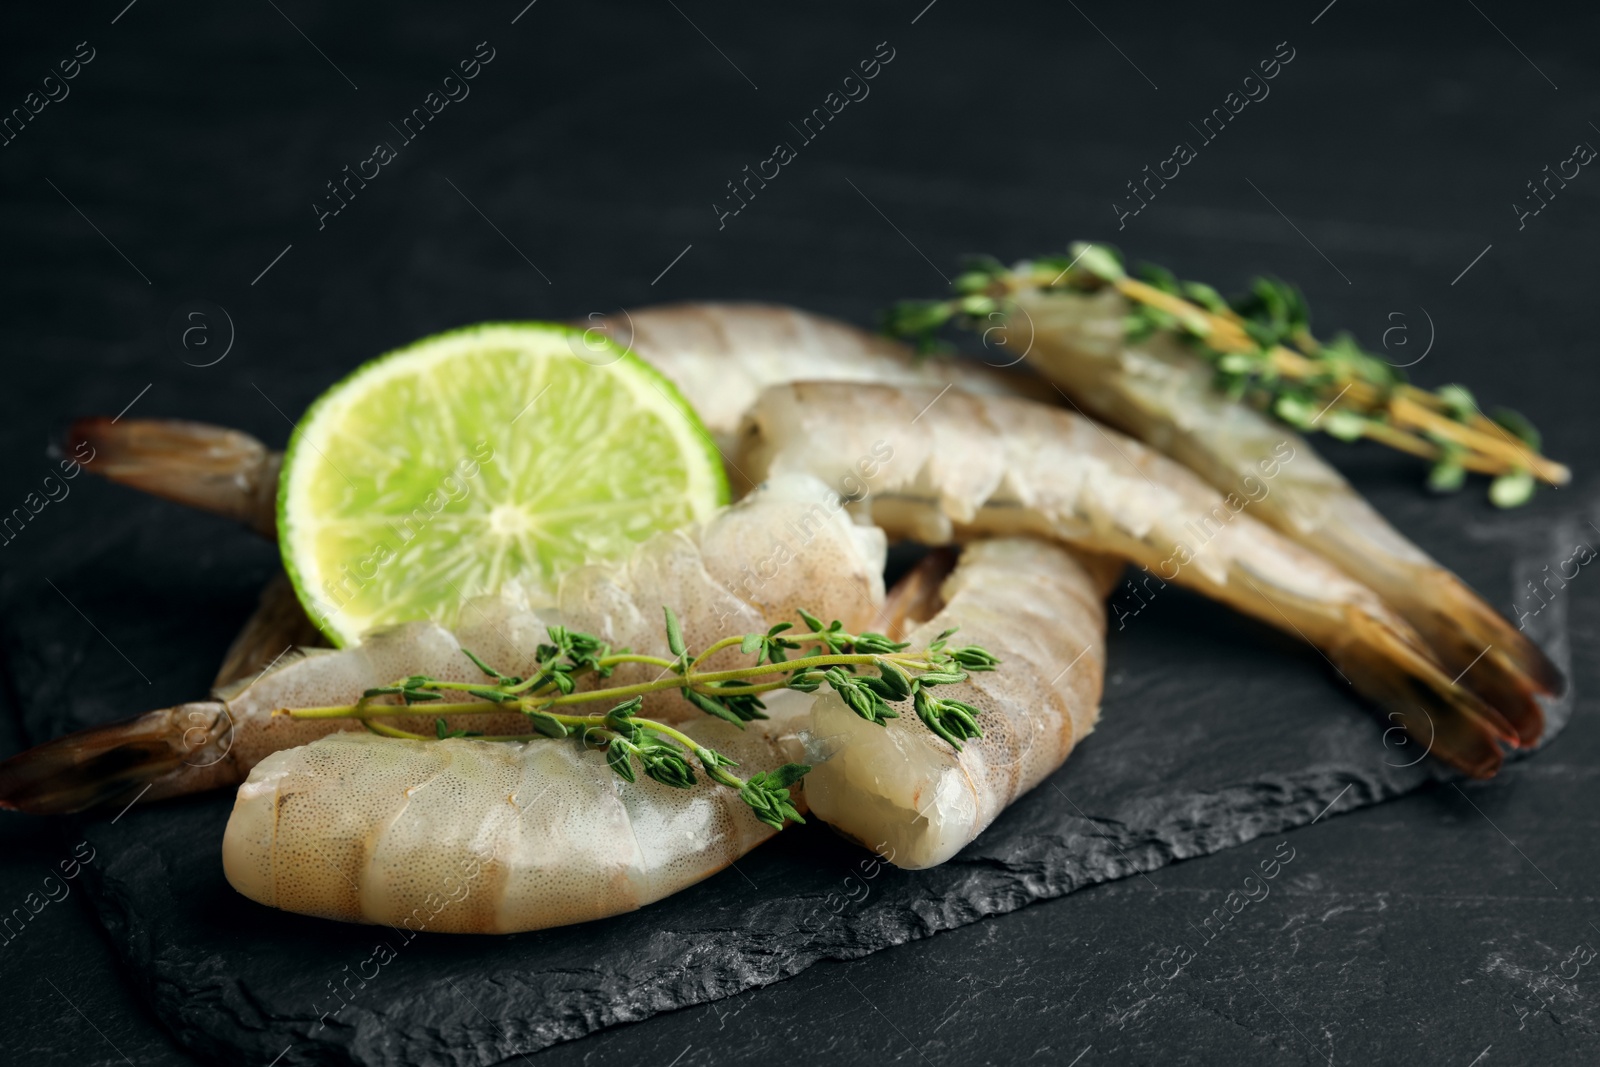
(1263, 350)
(361, 710)
(663, 750)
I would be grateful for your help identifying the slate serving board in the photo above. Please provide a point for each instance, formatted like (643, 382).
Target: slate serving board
(1215, 731)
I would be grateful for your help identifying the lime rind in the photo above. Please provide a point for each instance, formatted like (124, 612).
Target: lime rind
(313, 510)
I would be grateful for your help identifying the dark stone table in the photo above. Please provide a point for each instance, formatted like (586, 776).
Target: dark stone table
(184, 167)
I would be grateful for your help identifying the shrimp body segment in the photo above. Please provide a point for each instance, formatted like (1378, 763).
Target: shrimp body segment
(1160, 392)
(1040, 609)
(722, 355)
(966, 467)
(466, 836)
(747, 568)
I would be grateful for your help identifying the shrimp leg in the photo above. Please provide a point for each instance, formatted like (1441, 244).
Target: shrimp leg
(1162, 394)
(961, 467)
(747, 568)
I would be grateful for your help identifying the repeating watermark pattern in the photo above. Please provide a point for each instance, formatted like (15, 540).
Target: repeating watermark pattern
(1396, 338)
(857, 887)
(1536, 991)
(453, 89)
(797, 533)
(1130, 600)
(1399, 738)
(853, 89)
(1582, 154)
(605, 339)
(53, 89)
(55, 490)
(354, 577)
(385, 952)
(1253, 89)
(1200, 531)
(53, 890)
(1169, 961)
(201, 333)
(998, 340)
(1535, 600)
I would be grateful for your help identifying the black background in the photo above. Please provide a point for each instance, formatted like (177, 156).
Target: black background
(594, 146)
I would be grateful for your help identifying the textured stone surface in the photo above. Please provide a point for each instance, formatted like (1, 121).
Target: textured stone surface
(1424, 930)
(1175, 772)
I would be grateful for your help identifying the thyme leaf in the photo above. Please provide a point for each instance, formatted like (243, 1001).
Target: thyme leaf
(1262, 352)
(870, 672)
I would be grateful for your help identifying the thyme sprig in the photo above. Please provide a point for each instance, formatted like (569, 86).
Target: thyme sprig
(1263, 352)
(838, 659)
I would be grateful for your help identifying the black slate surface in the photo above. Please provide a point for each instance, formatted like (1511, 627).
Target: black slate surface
(1435, 928)
(1173, 774)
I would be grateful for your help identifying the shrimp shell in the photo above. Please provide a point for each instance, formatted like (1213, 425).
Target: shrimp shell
(965, 467)
(1041, 611)
(1161, 392)
(749, 567)
(720, 356)
(469, 836)
(482, 837)
(277, 627)
(226, 472)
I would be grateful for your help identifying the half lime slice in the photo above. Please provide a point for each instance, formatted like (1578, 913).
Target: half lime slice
(503, 451)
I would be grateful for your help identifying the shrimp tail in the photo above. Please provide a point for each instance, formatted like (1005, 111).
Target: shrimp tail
(915, 598)
(117, 762)
(278, 625)
(1498, 660)
(212, 468)
(1385, 659)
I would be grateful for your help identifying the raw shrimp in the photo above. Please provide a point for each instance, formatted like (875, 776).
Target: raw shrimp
(718, 355)
(482, 837)
(1161, 392)
(1040, 609)
(466, 836)
(226, 472)
(278, 626)
(965, 467)
(750, 566)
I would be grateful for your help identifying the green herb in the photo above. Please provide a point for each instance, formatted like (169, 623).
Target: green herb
(767, 793)
(1263, 353)
(950, 719)
(844, 661)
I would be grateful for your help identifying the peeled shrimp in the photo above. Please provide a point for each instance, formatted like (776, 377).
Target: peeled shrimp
(965, 467)
(465, 836)
(1160, 392)
(482, 837)
(719, 355)
(899, 788)
(750, 566)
